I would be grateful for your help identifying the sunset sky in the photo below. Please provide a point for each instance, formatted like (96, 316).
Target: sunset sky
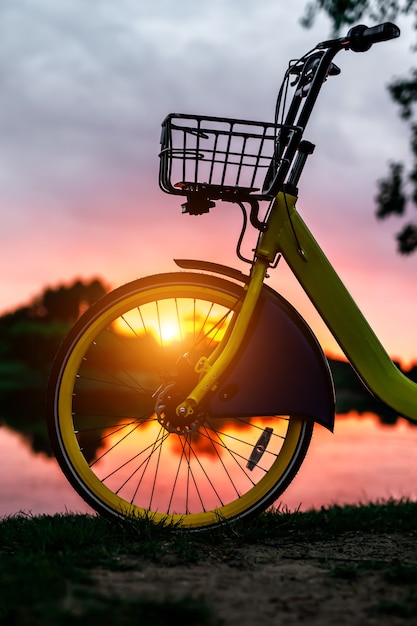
(84, 87)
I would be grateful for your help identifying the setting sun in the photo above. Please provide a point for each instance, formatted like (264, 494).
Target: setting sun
(170, 331)
(175, 319)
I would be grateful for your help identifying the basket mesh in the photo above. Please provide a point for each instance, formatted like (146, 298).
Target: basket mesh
(216, 152)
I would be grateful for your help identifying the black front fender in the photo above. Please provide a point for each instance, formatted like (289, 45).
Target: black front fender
(280, 370)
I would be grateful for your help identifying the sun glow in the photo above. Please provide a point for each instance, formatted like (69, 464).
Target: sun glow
(175, 320)
(170, 331)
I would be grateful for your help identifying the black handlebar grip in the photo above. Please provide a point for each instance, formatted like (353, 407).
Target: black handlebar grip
(361, 38)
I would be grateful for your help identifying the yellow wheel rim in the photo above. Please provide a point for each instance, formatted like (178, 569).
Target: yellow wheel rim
(110, 500)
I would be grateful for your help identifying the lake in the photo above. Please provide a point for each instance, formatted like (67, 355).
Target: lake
(362, 461)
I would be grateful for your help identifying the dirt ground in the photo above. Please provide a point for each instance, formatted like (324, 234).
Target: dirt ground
(357, 579)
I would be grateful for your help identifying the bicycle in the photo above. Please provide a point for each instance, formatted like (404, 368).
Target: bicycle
(190, 397)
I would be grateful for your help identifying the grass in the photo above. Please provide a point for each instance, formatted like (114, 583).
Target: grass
(46, 562)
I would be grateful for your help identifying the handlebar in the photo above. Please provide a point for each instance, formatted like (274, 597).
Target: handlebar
(308, 75)
(360, 38)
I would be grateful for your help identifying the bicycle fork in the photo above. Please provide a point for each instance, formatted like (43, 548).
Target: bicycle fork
(212, 368)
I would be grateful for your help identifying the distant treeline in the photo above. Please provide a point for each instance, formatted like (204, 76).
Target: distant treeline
(30, 337)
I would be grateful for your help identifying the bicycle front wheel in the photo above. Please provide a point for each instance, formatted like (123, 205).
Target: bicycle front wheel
(114, 386)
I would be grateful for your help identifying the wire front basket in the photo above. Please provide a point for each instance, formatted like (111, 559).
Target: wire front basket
(220, 155)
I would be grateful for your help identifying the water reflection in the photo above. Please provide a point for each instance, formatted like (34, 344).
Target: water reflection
(363, 461)
(32, 482)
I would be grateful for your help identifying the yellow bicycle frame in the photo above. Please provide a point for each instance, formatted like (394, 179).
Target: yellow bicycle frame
(288, 234)
(212, 369)
(339, 311)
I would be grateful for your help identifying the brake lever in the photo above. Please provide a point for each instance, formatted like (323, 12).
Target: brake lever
(304, 72)
(334, 70)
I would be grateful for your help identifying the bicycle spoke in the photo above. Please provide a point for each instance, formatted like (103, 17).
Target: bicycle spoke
(153, 447)
(191, 473)
(228, 474)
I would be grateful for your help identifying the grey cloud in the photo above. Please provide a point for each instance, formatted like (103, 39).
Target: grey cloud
(84, 86)
(65, 89)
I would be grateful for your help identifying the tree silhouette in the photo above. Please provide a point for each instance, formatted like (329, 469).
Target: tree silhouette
(67, 303)
(60, 304)
(32, 333)
(397, 190)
